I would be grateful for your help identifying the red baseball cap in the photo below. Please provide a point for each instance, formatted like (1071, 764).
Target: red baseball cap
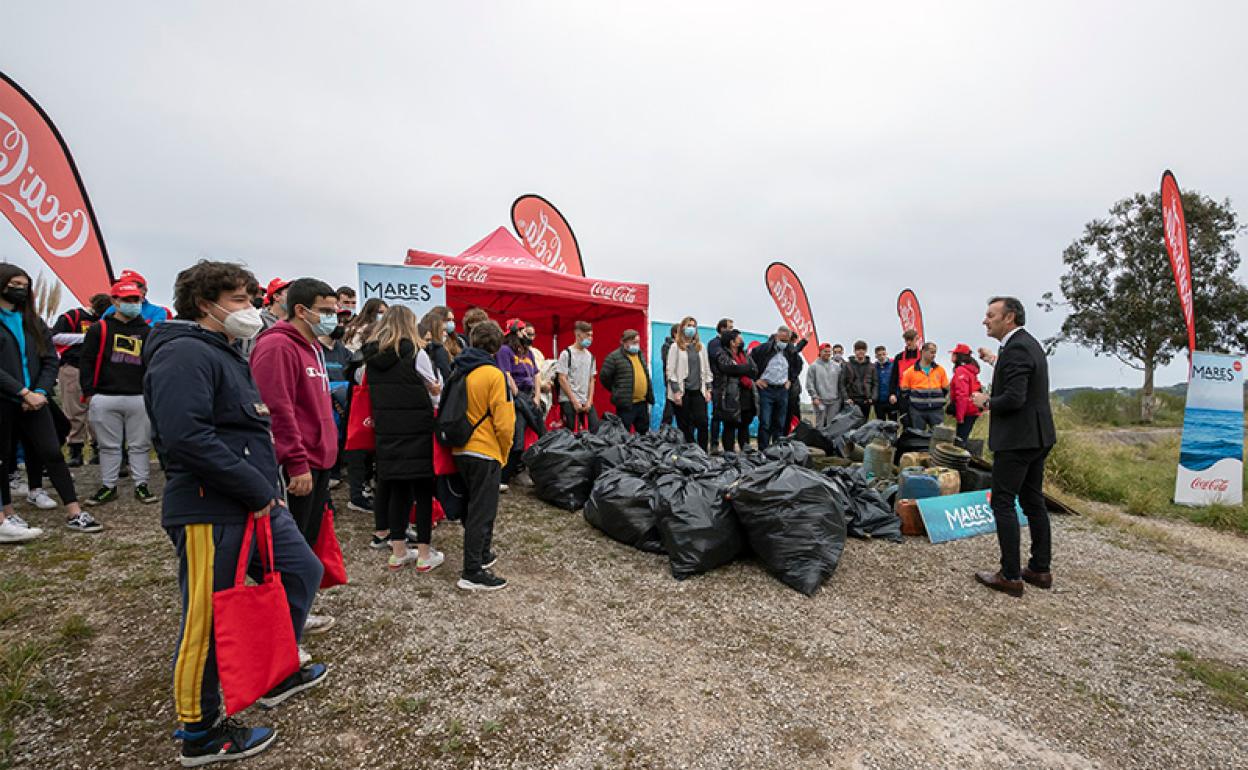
(825, 346)
(515, 325)
(961, 347)
(125, 288)
(275, 285)
(132, 276)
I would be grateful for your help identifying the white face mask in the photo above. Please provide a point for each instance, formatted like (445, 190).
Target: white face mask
(242, 324)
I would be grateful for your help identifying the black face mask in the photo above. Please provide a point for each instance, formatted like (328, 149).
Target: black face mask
(16, 294)
(338, 332)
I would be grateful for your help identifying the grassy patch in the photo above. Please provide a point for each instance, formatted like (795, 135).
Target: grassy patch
(75, 632)
(1227, 683)
(19, 677)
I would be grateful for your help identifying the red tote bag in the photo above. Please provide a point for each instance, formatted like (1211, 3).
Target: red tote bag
(360, 433)
(251, 626)
(329, 551)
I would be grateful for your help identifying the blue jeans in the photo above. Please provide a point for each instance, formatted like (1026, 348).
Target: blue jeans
(773, 410)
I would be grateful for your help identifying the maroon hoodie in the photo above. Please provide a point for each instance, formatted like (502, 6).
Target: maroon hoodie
(290, 372)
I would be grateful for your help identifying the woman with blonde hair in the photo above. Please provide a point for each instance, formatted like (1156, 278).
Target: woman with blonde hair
(689, 379)
(403, 387)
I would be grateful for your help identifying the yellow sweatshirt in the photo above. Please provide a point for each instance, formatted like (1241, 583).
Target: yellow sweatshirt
(487, 392)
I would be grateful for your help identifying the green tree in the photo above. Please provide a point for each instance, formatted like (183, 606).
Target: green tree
(1120, 292)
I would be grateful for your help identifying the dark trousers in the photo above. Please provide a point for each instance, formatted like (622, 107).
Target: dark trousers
(359, 472)
(527, 416)
(716, 426)
(691, 417)
(885, 411)
(309, 509)
(773, 408)
(207, 557)
(481, 477)
(965, 427)
(392, 507)
(37, 433)
(737, 432)
(635, 416)
(1020, 474)
(926, 419)
(669, 413)
(570, 416)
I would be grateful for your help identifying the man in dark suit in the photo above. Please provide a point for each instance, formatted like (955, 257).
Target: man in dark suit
(1020, 435)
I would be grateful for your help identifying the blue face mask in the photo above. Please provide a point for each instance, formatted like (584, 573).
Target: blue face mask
(329, 322)
(634, 349)
(449, 326)
(586, 342)
(130, 309)
(690, 332)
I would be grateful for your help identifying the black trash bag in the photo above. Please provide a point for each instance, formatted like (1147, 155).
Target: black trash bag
(885, 429)
(786, 450)
(623, 504)
(867, 512)
(913, 440)
(792, 520)
(611, 428)
(562, 469)
(806, 433)
(688, 458)
(697, 526)
(668, 434)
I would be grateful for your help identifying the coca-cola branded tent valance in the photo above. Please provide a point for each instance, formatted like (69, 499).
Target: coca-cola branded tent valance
(500, 276)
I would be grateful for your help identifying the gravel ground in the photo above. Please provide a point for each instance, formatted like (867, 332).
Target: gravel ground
(596, 657)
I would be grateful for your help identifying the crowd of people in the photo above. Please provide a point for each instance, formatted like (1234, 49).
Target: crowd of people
(248, 395)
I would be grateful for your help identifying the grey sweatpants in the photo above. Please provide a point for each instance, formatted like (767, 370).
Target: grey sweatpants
(824, 414)
(121, 421)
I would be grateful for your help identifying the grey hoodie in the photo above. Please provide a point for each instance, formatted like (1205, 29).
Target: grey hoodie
(823, 380)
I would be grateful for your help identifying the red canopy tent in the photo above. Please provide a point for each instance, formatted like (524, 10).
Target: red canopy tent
(499, 276)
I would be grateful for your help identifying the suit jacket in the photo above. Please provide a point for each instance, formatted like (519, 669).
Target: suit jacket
(1021, 417)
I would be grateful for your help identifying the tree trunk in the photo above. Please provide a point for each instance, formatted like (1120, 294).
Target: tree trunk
(1147, 404)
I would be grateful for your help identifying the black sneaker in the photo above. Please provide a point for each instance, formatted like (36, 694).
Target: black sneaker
(379, 543)
(104, 495)
(305, 678)
(361, 504)
(75, 456)
(481, 581)
(143, 494)
(490, 560)
(227, 741)
(84, 522)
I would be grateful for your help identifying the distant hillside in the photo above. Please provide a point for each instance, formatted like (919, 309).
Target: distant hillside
(1064, 394)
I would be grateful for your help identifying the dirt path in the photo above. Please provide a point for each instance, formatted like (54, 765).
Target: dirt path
(596, 657)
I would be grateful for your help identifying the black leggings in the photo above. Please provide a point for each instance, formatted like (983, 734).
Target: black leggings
(691, 417)
(738, 433)
(392, 507)
(38, 435)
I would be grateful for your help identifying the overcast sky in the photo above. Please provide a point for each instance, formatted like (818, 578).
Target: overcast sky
(956, 148)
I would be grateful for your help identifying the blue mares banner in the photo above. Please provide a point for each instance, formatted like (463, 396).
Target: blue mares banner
(419, 288)
(1211, 456)
(953, 517)
(660, 332)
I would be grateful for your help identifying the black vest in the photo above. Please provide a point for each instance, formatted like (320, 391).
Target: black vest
(402, 413)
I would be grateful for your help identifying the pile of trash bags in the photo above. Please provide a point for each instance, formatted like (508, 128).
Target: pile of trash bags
(660, 495)
(847, 430)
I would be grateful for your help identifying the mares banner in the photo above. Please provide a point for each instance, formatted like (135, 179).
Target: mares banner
(546, 234)
(1174, 231)
(910, 313)
(790, 298)
(419, 288)
(1211, 455)
(42, 195)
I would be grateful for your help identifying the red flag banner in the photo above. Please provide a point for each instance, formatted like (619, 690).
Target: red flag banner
(910, 313)
(43, 196)
(790, 298)
(1175, 234)
(546, 234)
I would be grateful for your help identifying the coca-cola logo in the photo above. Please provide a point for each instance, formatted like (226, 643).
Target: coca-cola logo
(1237, 366)
(544, 242)
(436, 281)
(907, 316)
(786, 299)
(63, 233)
(1176, 239)
(614, 292)
(468, 272)
(1210, 485)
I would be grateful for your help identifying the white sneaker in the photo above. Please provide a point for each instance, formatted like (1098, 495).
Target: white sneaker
(17, 486)
(435, 559)
(84, 522)
(304, 657)
(18, 521)
(40, 499)
(503, 488)
(399, 562)
(318, 624)
(11, 532)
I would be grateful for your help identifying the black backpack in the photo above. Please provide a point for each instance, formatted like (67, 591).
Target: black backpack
(453, 428)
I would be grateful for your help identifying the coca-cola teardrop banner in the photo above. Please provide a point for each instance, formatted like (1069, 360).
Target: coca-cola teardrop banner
(546, 234)
(43, 196)
(1174, 231)
(790, 297)
(910, 313)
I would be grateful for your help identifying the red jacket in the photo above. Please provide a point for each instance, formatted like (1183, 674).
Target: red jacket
(290, 373)
(965, 382)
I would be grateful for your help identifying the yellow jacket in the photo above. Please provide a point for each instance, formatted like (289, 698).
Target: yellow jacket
(488, 394)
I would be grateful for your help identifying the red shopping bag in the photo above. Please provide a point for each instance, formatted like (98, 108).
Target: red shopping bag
(251, 626)
(329, 551)
(554, 418)
(443, 459)
(439, 514)
(360, 433)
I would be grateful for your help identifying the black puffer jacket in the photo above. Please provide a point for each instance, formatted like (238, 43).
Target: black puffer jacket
(402, 413)
(726, 392)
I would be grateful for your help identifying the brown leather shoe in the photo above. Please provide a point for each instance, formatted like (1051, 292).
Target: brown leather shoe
(1038, 579)
(997, 582)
